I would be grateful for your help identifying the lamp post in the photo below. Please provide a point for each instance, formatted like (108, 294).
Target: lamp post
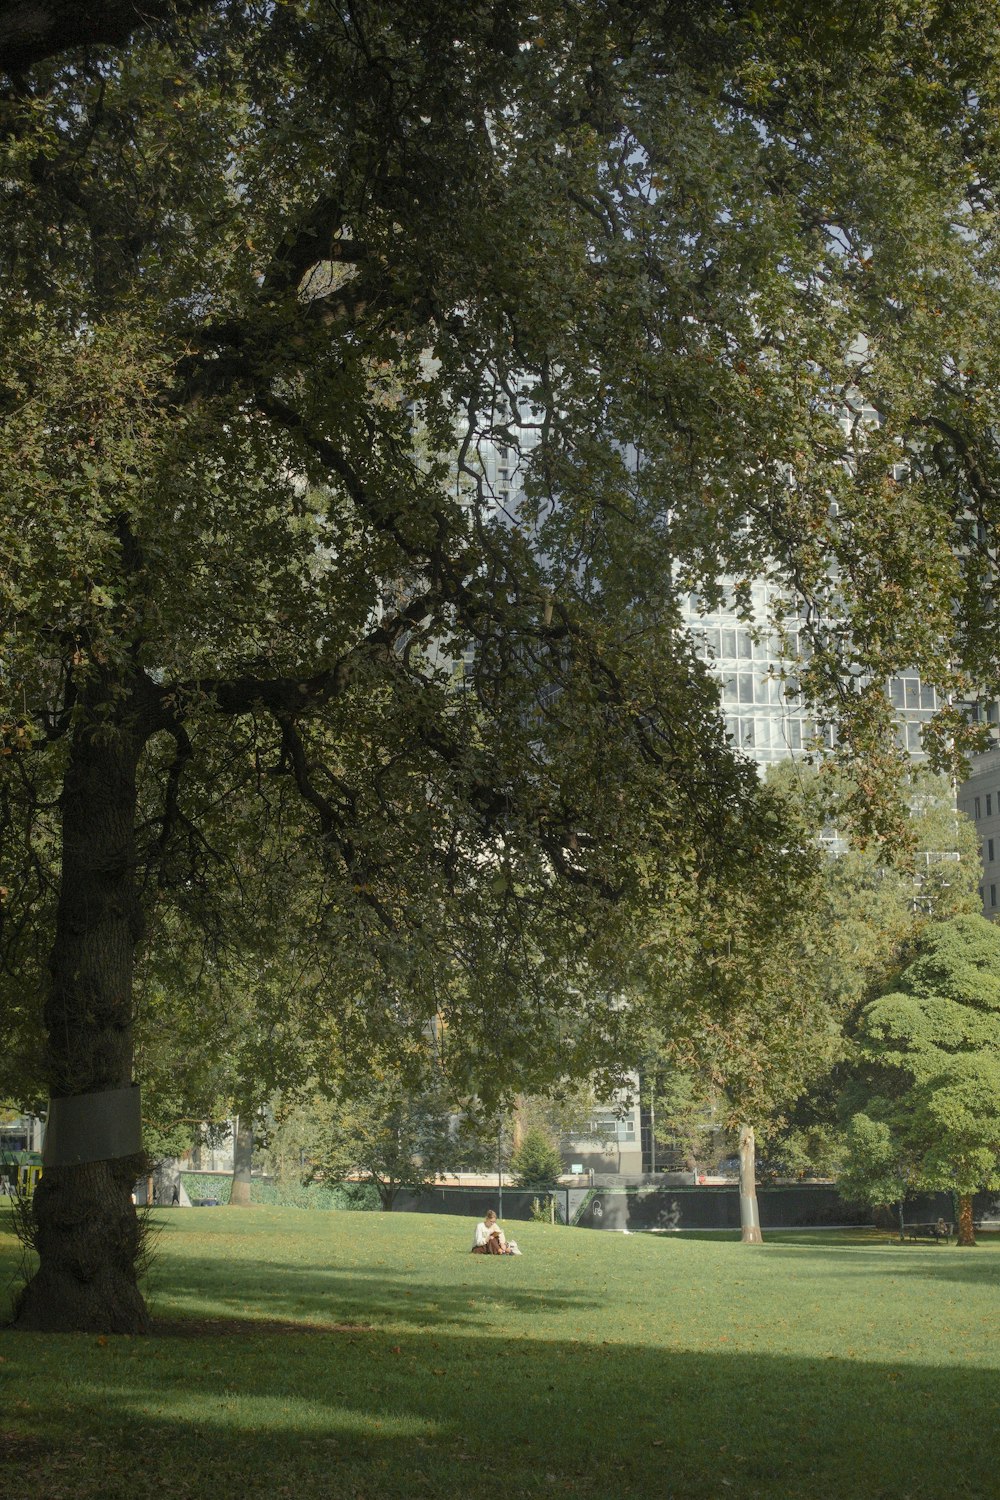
(500, 1168)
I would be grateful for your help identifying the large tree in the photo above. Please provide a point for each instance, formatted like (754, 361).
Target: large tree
(275, 277)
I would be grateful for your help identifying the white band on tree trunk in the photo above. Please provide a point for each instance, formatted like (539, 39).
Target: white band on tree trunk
(93, 1127)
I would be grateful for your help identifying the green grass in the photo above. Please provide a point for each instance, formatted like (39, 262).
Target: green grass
(308, 1355)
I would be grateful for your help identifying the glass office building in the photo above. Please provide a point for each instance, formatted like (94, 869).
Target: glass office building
(757, 671)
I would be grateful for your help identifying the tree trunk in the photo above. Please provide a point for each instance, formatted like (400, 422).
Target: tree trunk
(517, 1123)
(966, 1226)
(239, 1196)
(84, 1224)
(749, 1217)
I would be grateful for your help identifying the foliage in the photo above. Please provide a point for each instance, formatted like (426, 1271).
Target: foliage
(872, 903)
(877, 1167)
(276, 279)
(208, 1185)
(781, 1004)
(566, 1112)
(379, 1126)
(688, 1114)
(927, 1090)
(537, 1161)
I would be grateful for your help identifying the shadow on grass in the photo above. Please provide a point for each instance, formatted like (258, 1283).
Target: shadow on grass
(336, 1295)
(372, 1415)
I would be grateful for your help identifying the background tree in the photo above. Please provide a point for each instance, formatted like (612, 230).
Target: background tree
(380, 1127)
(265, 270)
(781, 1006)
(870, 906)
(928, 1084)
(537, 1162)
(879, 1167)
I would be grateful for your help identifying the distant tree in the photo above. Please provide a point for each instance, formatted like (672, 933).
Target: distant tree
(537, 1161)
(879, 1168)
(926, 1094)
(778, 1003)
(871, 901)
(392, 1125)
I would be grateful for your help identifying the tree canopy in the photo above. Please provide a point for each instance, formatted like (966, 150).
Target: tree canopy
(929, 1061)
(276, 280)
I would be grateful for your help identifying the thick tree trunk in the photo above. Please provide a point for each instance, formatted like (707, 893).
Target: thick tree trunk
(85, 1227)
(966, 1226)
(239, 1196)
(749, 1216)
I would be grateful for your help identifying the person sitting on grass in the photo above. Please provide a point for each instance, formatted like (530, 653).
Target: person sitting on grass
(491, 1240)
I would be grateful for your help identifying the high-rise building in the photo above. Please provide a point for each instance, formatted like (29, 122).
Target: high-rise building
(979, 798)
(757, 670)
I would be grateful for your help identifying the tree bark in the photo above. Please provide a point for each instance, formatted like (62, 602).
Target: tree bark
(966, 1226)
(239, 1196)
(85, 1227)
(749, 1216)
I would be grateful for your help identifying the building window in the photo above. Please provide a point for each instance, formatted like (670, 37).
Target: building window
(993, 895)
(989, 804)
(605, 1123)
(989, 846)
(978, 813)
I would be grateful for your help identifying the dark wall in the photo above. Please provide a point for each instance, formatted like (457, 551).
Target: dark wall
(792, 1207)
(715, 1208)
(472, 1202)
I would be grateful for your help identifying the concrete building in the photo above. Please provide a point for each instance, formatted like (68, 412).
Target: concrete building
(616, 1144)
(757, 670)
(979, 799)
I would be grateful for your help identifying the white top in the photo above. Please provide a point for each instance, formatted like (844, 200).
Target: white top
(483, 1232)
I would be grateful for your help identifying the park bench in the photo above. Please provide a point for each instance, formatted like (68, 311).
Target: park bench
(930, 1231)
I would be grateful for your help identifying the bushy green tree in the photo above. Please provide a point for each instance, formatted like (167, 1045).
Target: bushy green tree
(927, 1096)
(781, 1003)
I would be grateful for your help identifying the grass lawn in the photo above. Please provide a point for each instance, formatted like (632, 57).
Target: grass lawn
(333, 1354)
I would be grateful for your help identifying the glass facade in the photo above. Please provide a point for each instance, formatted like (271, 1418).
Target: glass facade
(757, 670)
